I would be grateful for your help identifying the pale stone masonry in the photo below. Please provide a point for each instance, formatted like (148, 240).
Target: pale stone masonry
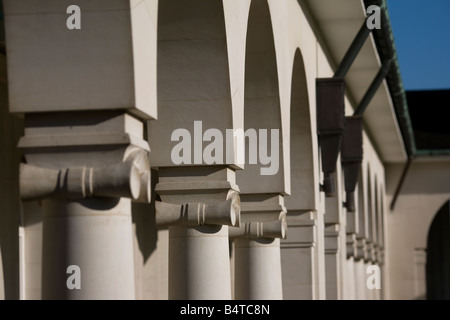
(93, 205)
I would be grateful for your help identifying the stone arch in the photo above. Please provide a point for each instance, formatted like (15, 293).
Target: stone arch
(438, 255)
(300, 253)
(303, 187)
(200, 57)
(262, 105)
(200, 77)
(362, 230)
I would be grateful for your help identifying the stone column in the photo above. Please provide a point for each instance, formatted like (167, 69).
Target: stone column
(257, 248)
(334, 239)
(94, 235)
(351, 231)
(373, 260)
(361, 280)
(351, 245)
(333, 262)
(85, 187)
(360, 272)
(299, 253)
(198, 204)
(85, 158)
(381, 263)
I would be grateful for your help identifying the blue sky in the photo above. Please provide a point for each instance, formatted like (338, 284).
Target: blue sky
(422, 38)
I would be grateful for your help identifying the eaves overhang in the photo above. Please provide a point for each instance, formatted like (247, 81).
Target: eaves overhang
(386, 119)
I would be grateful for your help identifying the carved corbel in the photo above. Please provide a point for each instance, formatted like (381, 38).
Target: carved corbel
(258, 230)
(380, 256)
(361, 249)
(351, 244)
(197, 214)
(129, 179)
(375, 253)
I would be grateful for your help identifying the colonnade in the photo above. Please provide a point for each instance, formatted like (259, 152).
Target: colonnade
(101, 113)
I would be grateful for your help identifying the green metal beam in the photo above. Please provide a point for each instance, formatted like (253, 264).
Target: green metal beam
(352, 51)
(381, 75)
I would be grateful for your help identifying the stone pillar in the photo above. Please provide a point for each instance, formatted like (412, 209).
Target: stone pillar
(198, 204)
(333, 262)
(360, 271)
(351, 245)
(361, 249)
(350, 280)
(349, 255)
(86, 187)
(94, 235)
(370, 293)
(369, 261)
(381, 264)
(85, 158)
(334, 238)
(257, 248)
(374, 261)
(151, 250)
(352, 228)
(299, 254)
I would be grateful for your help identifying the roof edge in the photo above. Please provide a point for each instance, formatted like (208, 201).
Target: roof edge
(384, 40)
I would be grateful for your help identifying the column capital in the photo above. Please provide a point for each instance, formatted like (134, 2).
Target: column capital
(380, 254)
(260, 230)
(351, 243)
(332, 244)
(197, 214)
(374, 252)
(263, 216)
(361, 249)
(196, 196)
(303, 229)
(128, 179)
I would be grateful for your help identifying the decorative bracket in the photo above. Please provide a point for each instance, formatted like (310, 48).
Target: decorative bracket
(197, 214)
(361, 249)
(351, 245)
(259, 230)
(129, 179)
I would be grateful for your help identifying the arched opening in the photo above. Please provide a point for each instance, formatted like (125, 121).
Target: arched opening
(193, 87)
(381, 241)
(438, 255)
(193, 78)
(380, 218)
(300, 261)
(262, 114)
(303, 188)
